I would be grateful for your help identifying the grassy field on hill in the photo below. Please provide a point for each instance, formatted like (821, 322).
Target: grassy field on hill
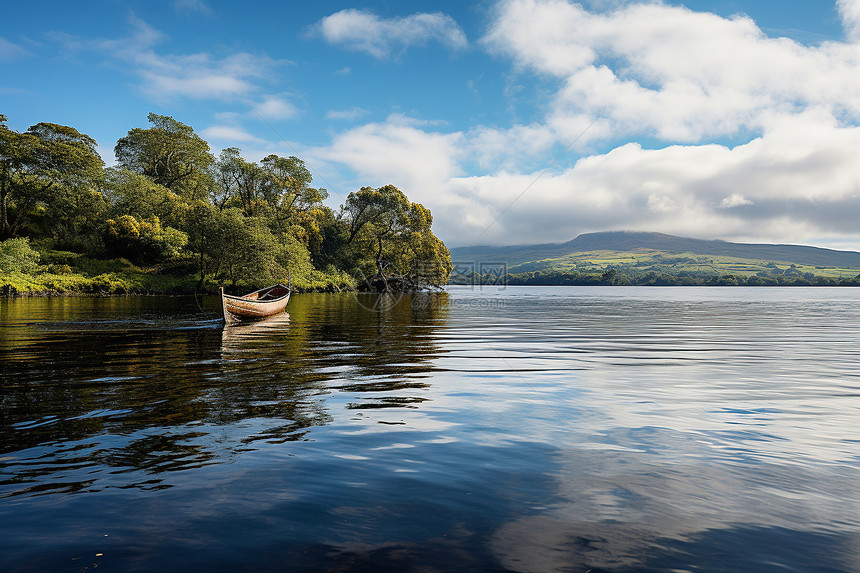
(651, 267)
(643, 262)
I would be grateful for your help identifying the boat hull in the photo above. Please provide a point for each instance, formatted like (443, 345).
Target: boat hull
(260, 304)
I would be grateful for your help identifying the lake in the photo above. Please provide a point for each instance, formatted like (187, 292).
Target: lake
(523, 429)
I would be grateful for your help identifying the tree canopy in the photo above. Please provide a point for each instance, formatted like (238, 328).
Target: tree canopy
(169, 153)
(170, 203)
(393, 235)
(50, 167)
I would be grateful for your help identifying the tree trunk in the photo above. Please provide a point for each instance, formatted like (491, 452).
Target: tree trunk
(200, 284)
(4, 218)
(379, 268)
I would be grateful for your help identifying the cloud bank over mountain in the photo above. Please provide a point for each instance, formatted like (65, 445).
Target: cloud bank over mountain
(710, 128)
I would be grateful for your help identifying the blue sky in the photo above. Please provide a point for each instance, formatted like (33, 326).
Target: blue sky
(514, 121)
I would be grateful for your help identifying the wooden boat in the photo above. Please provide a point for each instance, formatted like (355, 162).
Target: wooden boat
(258, 304)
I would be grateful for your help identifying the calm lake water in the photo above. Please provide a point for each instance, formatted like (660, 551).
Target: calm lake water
(523, 429)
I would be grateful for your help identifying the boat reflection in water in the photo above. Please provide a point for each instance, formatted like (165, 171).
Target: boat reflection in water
(237, 334)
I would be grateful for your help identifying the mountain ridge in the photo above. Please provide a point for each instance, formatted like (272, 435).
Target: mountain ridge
(633, 241)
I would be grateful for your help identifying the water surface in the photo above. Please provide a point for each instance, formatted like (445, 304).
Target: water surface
(519, 429)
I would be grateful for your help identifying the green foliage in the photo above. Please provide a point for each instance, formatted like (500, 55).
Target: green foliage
(169, 153)
(47, 172)
(143, 240)
(390, 237)
(236, 248)
(637, 263)
(16, 256)
(652, 278)
(171, 208)
(129, 193)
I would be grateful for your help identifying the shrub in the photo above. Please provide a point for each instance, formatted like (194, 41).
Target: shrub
(16, 255)
(143, 239)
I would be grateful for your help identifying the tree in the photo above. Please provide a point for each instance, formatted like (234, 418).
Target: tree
(169, 153)
(394, 235)
(288, 185)
(143, 240)
(47, 164)
(240, 249)
(130, 193)
(17, 256)
(225, 174)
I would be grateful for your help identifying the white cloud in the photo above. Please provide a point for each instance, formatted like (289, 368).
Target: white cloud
(364, 31)
(276, 108)
(350, 114)
(228, 134)
(10, 51)
(165, 76)
(734, 200)
(202, 76)
(396, 152)
(641, 70)
(665, 71)
(192, 6)
(496, 149)
(799, 181)
(850, 12)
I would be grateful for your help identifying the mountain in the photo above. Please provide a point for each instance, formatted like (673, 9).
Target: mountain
(633, 242)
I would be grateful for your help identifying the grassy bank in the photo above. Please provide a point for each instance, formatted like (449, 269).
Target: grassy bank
(67, 273)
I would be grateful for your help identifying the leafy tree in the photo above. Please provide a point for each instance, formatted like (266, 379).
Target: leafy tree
(16, 255)
(130, 193)
(225, 174)
(238, 249)
(385, 230)
(288, 185)
(143, 240)
(45, 166)
(169, 153)
(239, 183)
(242, 249)
(278, 187)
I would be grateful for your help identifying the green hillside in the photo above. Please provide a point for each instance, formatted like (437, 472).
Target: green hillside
(674, 263)
(629, 242)
(654, 258)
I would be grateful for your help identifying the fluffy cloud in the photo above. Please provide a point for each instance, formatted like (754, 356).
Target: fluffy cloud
(799, 180)
(399, 152)
(228, 133)
(275, 108)
(666, 73)
(364, 31)
(671, 73)
(850, 12)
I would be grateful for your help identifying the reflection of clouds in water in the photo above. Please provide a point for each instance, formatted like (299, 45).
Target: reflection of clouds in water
(618, 511)
(699, 427)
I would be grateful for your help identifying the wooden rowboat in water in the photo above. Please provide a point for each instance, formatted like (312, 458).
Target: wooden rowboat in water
(258, 304)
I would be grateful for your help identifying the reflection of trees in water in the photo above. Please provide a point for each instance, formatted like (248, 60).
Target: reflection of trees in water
(373, 352)
(152, 399)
